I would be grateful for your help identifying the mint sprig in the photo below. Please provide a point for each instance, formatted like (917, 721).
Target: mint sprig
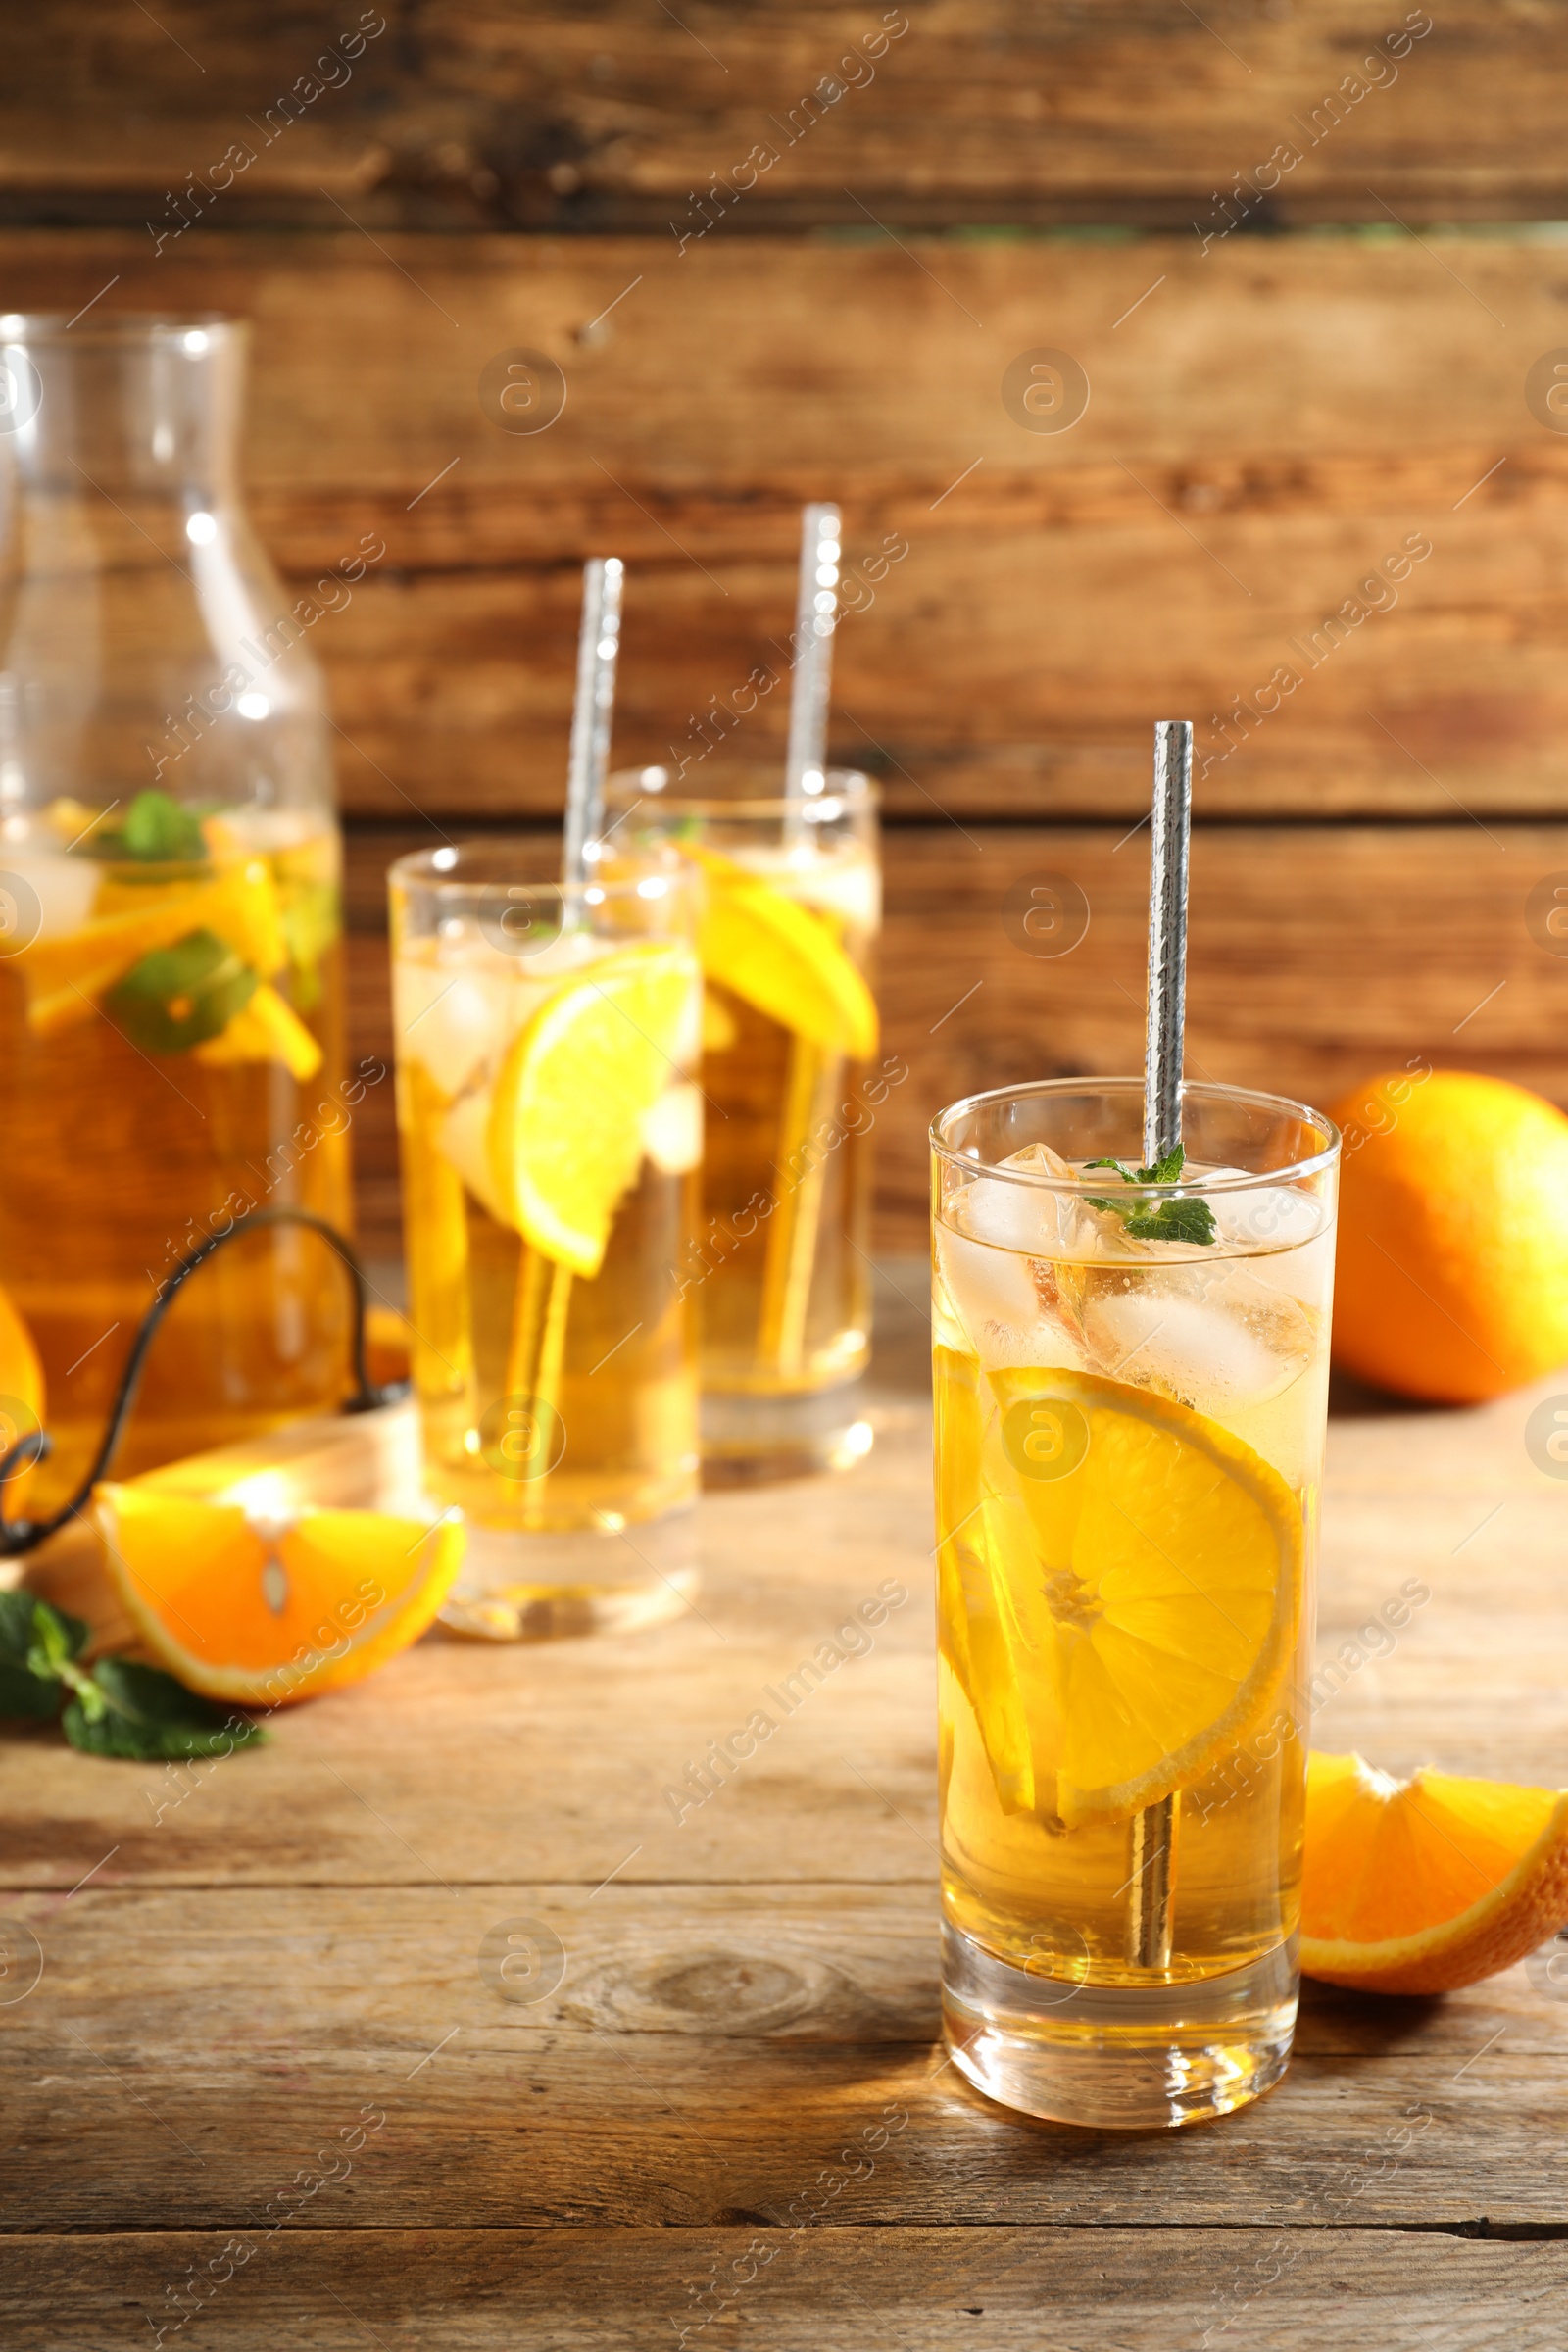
(1185, 1220)
(115, 1708)
(154, 830)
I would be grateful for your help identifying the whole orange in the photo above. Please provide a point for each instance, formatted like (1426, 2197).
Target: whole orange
(1451, 1279)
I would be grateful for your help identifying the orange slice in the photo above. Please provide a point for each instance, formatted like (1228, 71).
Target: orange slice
(566, 1134)
(782, 959)
(264, 1029)
(243, 1607)
(1121, 1585)
(1425, 1884)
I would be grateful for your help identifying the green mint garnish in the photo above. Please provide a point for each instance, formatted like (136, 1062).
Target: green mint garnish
(116, 1708)
(178, 997)
(158, 827)
(1172, 1220)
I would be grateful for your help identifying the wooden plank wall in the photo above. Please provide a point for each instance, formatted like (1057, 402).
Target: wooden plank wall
(1316, 499)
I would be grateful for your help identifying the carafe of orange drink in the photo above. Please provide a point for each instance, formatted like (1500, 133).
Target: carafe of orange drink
(170, 1052)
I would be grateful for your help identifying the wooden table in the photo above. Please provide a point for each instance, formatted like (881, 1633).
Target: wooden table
(730, 2120)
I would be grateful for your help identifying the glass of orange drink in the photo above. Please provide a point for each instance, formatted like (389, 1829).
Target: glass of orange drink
(1131, 1379)
(793, 1078)
(550, 1129)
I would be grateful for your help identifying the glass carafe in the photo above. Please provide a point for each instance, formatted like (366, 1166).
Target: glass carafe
(171, 993)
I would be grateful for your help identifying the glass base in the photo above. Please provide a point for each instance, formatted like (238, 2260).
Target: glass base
(1119, 2057)
(541, 1587)
(752, 1441)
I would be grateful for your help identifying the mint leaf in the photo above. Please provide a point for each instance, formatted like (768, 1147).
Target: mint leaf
(1174, 1221)
(1166, 1170)
(36, 1645)
(120, 1708)
(16, 1625)
(56, 1639)
(28, 1696)
(143, 1714)
(1171, 1220)
(158, 827)
(36, 1636)
(178, 997)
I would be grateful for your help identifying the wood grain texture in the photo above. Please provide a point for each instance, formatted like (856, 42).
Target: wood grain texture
(739, 2040)
(474, 113)
(840, 2290)
(1320, 956)
(240, 1967)
(1263, 431)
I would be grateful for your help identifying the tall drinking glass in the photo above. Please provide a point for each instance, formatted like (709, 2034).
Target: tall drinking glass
(792, 1075)
(1131, 1385)
(550, 1132)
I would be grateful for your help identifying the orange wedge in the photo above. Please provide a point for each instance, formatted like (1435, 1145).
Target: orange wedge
(566, 1132)
(264, 1029)
(242, 1606)
(1425, 1884)
(782, 959)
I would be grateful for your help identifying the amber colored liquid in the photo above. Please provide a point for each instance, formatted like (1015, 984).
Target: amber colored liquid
(787, 1135)
(1053, 1897)
(618, 1441)
(115, 1163)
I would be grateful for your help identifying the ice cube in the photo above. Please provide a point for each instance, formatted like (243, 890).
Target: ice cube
(64, 888)
(1288, 1237)
(1009, 1306)
(1215, 1338)
(1029, 1216)
(847, 888)
(455, 1019)
(673, 1130)
(1271, 1216)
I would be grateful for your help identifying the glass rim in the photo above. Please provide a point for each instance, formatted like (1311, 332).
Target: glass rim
(1192, 1089)
(850, 784)
(117, 326)
(419, 870)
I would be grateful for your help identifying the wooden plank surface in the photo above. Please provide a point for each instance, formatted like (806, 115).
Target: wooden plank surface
(1267, 424)
(840, 2290)
(610, 115)
(289, 1955)
(1320, 956)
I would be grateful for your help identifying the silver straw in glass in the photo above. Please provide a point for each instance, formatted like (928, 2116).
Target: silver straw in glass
(816, 599)
(1167, 938)
(598, 644)
(1151, 1843)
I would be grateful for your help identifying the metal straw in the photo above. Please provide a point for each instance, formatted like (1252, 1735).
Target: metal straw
(598, 644)
(1151, 1839)
(812, 1074)
(1170, 823)
(541, 1298)
(816, 599)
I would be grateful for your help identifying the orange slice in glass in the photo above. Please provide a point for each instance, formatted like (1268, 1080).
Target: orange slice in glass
(782, 959)
(240, 1606)
(1127, 1576)
(566, 1134)
(1425, 1884)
